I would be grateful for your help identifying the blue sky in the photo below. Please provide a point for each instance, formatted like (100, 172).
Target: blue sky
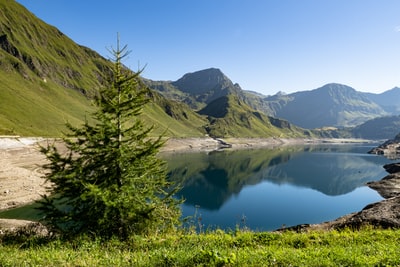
(264, 45)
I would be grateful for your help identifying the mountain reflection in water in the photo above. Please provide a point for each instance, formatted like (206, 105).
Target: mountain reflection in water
(211, 180)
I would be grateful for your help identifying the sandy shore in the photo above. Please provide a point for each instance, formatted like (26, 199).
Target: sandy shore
(21, 175)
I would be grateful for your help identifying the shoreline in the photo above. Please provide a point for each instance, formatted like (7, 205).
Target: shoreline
(183, 145)
(22, 179)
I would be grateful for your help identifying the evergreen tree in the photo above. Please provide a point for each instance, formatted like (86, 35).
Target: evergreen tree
(110, 182)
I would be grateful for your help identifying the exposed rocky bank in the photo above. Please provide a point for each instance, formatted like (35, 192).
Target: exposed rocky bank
(389, 149)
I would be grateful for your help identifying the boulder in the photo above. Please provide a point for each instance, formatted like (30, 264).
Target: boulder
(385, 214)
(392, 167)
(390, 149)
(388, 187)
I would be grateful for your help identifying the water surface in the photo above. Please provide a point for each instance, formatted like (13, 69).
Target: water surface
(266, 189)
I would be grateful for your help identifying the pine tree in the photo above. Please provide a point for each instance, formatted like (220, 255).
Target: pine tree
(110, 182)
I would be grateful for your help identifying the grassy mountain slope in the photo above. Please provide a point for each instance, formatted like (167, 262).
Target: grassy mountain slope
(38, 50)
(173, 119)
(36, 108)
(48, 80)
(229, 116)
(197, 89)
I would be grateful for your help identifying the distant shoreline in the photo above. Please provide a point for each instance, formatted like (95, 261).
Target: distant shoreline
(210, 144)
(188, 144)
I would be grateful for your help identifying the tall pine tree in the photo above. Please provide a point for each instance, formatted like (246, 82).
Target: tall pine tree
(110, 182)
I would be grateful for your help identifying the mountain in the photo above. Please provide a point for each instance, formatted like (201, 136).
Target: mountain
(207, 85)
(47, 80)
(229, 109)
(172, 118)
(388, 100)
(229, 116)
(197, 89)
(330, 105)
(378, 128)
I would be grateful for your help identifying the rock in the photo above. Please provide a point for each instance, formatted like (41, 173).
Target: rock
(385, 214)
(390, 149)
(388, 187)
(392, 167)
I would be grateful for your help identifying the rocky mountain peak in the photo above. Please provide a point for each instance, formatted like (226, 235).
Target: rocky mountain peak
(203, 81)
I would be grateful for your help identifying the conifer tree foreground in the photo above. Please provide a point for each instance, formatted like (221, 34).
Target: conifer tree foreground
(110, 182)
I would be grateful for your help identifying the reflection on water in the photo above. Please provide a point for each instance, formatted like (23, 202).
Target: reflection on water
(327, 180)
(267, 188)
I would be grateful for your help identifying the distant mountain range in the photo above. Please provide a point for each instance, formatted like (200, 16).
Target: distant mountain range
(47, 80)
(388, 100)
(332, 105)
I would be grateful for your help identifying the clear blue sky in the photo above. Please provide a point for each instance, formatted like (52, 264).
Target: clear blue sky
(264, 45)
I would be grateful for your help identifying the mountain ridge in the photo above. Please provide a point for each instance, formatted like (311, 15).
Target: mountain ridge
(47, 79)
(330, 105)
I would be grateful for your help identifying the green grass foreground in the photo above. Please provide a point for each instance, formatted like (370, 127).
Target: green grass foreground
(366, 247)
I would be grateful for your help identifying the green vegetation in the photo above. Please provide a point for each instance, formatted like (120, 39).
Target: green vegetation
(110, 182)
(172, 118)
(366, 247)
(47, 80)
(229, 116)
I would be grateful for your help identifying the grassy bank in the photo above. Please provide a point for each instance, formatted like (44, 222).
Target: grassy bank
(367, 247)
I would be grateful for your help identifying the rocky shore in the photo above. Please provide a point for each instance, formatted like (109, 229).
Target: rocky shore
(384, 214)
(389, 149)
(21, 178)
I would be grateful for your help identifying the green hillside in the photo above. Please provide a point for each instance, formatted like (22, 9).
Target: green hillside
(173, 119)
(48, 80)
(34, 108)
(231, 117)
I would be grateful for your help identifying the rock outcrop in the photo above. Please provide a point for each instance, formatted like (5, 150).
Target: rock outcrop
(386, 213)
(390, 149)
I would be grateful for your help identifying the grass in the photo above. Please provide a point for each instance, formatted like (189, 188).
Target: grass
(231, 117)
(366, 247)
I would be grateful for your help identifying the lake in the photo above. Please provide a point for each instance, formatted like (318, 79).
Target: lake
(266, 189)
